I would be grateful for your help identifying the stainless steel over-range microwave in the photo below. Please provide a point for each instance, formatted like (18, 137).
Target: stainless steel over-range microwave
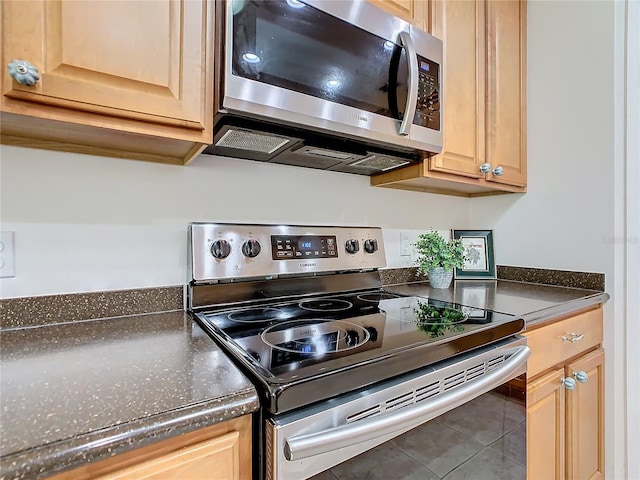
(337, 85)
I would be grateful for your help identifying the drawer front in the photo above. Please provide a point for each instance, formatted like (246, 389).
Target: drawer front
(553, 344)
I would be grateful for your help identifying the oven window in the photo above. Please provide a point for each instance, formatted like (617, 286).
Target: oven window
(297, 47)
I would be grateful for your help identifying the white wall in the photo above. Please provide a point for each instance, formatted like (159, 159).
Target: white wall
(567, 218)
(564, 221)
(86, 223)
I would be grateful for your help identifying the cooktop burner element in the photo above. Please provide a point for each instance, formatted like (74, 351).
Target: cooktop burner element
(325, 305)
(315, 337)
(305, 329)
(376, 297)
(251, 315)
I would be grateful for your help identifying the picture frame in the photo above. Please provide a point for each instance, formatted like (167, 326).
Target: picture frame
(475, 298)
(480, 263)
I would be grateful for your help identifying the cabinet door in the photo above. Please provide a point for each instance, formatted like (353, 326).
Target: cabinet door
(506, 98)
(413, 11)
(461, 27)
(546, 427)
(585, 419)
(217, 458)
(141, 59)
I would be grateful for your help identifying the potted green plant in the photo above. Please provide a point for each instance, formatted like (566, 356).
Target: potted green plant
(437, 258)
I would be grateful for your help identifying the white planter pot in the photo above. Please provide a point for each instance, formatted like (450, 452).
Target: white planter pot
(440, 278)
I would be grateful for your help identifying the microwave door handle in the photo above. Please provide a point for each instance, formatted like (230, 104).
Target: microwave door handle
(412, 83)
(308, 445)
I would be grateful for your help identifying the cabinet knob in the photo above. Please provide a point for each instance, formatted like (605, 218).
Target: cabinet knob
(485, 167)
(23, 72)
(498, 171)
(569, 383)
(581, 376)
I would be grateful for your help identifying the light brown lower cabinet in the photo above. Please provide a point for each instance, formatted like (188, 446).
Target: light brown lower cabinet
(565, 399)
(219, 452)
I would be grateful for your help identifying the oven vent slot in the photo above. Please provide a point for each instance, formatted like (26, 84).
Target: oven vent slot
(428, 391)
(476, 371)
(453, 381)
(369, 412)
(495, 362)
(399, 402)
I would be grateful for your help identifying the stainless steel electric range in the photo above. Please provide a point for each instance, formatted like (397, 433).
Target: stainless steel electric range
(341, 365)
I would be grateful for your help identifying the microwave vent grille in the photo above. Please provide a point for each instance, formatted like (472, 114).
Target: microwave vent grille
(376, 161)
(255, 142)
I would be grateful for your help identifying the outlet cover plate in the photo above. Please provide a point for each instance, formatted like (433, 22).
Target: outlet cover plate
(7, 255)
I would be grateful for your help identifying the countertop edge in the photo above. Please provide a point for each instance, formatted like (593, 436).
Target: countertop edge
(563, 309)
(56, 457)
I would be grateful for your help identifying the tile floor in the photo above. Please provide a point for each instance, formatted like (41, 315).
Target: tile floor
(484, 439)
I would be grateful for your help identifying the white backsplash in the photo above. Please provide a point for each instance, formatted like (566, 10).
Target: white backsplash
(86, 223)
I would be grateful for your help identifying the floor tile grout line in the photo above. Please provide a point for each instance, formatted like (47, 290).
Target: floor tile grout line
(391, 441)
(505, 454)
(466, 461)
(493, 441)
(333, 474)
(475, 455)
(449, 471)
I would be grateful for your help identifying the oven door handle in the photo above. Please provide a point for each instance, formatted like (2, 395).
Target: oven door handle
(298, 447)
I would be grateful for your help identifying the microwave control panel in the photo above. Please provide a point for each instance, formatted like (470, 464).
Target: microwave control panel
(427, 112)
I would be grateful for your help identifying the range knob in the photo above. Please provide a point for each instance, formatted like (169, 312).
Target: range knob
(352, 245)
(220, 249)
(353, 339)
(251, 248)
(373, 333)
(370, 245)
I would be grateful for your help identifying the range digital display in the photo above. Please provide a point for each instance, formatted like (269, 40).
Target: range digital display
(288, 247)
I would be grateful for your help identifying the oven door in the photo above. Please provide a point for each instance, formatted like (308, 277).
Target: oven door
(301, 64)
(306, 442)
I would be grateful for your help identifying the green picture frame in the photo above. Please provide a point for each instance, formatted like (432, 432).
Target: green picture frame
(480, 262)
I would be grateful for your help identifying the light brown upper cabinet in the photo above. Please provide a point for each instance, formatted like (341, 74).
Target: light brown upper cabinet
(413, 11)
(484, 100)
(125, 79)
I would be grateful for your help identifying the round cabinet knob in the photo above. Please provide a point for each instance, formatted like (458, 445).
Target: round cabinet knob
(23, 72)
(498, 171)
(251, 248)
(569, 383)
(220, 249)
(581, 376)
(370, 245)
(485, 167)
(352, 246)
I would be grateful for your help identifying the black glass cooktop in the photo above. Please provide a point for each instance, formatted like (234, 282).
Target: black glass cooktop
(298, 339)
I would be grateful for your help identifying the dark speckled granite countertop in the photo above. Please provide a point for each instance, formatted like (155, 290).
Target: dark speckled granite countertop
(534, 302)
(81, 391)
(75, 392)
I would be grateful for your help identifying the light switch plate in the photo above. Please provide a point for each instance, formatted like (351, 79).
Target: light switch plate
(405, 244)
(7, 255)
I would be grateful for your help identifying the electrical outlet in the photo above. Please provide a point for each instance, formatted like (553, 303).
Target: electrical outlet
(7, 255)
(405, 244)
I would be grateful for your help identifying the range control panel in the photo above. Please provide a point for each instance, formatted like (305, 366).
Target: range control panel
(223, 251)
(284, 247)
